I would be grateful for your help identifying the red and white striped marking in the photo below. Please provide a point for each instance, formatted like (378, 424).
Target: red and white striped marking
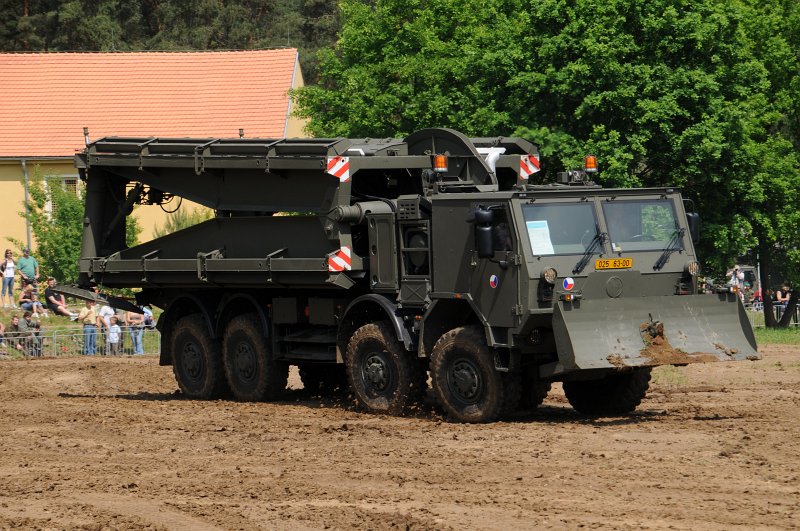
(528, 165)
(340, 260)
(339, 167)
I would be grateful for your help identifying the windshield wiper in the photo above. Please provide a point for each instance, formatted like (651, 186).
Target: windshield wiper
(672, 246)
(599, 238)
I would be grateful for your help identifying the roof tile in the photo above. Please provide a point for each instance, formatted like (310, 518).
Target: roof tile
(46, 99)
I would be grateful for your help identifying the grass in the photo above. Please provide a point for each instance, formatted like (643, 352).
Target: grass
(54, 322)
(669, 376)
(781, 336)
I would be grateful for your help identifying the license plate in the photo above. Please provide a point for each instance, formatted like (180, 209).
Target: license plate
(614, 263)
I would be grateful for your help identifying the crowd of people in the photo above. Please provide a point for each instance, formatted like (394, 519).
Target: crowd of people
(103, 329)
(755, 297)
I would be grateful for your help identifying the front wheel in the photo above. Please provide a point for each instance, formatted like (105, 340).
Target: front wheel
(615, 394)
(196, 359)
(382, 375)
(464, 378)
(251, 372)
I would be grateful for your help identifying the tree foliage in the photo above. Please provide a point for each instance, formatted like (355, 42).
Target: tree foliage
(700, 94)
(181, 219)
(124, 25)
(56, 218)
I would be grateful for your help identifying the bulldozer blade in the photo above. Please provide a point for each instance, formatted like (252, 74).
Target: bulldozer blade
(651, 331)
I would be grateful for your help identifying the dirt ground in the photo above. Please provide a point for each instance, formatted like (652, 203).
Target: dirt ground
(109, 444)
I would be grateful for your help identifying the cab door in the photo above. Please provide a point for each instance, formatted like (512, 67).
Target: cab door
(494, 284)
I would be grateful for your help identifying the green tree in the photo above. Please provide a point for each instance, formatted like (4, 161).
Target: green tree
(400, 65)
(56, 218)
(181, 219)
(107, 25)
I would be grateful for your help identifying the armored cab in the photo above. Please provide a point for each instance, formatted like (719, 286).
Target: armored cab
(432, 253)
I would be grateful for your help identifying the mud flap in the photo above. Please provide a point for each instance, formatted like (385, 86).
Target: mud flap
(650, 331)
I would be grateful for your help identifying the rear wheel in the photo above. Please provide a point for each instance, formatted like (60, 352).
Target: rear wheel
(616, 394)
(464, 378)
(196, 359)
(383, 376)
(251, 372)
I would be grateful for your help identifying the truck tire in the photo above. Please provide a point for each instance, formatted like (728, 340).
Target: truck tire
(321, 379)
(534, 391)
(616, 394)
(382, 375)
(466, 383)
(251, 372)
(196, 359)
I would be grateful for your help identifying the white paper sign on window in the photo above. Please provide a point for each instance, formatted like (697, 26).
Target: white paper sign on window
(539, 233)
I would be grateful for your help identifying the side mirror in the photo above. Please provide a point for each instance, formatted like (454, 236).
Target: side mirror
(484, 242)
(693, 220)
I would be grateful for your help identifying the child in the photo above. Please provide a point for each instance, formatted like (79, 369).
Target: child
(29, 300)
(114, 332)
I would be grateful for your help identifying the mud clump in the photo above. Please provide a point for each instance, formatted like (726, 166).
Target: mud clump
(658, 350)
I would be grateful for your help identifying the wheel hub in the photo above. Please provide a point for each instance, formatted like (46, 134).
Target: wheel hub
(245, 361)
(376, 372)
(192, 361)
(465, 381)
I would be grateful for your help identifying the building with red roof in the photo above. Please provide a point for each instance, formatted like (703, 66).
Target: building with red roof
(47, 99)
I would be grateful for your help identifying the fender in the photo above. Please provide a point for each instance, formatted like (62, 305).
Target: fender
(183, 305)
(386, 306)
(243, 299)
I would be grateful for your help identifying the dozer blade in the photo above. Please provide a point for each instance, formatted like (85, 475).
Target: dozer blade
(650, 331)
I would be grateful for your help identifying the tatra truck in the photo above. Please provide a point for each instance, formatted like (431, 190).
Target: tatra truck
(397, 265)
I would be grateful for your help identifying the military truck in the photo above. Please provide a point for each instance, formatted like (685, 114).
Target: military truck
(435, 253)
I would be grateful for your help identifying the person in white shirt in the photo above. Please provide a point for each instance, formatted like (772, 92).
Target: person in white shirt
(9, 268)
(106, 313)
(114, 335)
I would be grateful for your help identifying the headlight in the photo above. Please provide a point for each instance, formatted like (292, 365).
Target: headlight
(693, 268)
(549, 275)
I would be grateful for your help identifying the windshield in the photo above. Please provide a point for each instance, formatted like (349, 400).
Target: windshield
(560, 228)
(640, 225)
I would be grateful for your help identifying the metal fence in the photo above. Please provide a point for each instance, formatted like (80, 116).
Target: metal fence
(70, 342)
(755, 312)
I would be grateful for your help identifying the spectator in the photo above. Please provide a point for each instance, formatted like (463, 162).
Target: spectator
(748, 294)
(33, 334)
(114, 335)
(757, 296)
(13, 334)
(736, 277)
(2, 335)
(29, 300)
(149, 321)
(135, 322)
(55, 301)
(782, 299)
(90, 321)
(28, 268)
(782, 295)
(8, 266)
(106, 313)
(19, 337)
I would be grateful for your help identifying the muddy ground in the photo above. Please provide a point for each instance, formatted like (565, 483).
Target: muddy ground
(109, 444)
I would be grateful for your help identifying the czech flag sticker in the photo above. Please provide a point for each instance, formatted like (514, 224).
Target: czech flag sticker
(568, 283)
(494, 281)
